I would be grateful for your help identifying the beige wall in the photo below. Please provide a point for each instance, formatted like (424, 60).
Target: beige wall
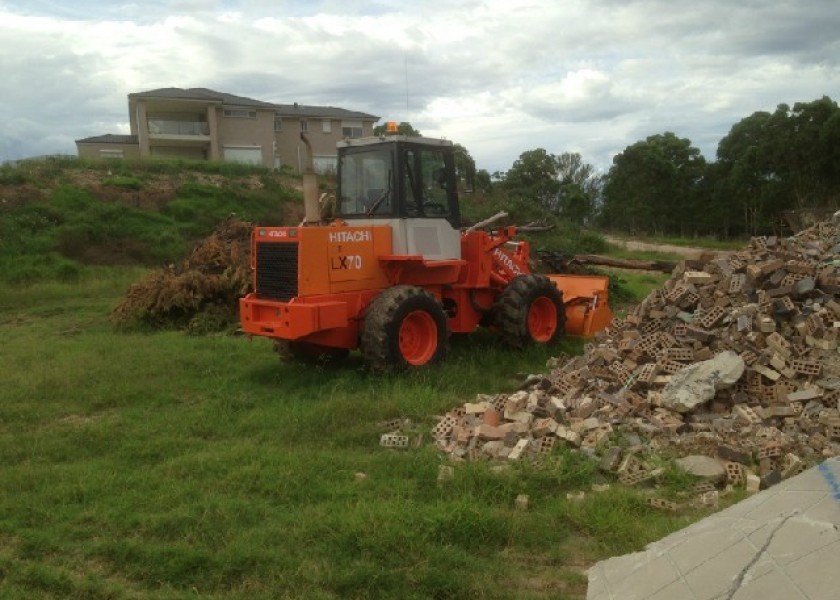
(291, 149)
(182, 152)
(245, 132)
(92, 150)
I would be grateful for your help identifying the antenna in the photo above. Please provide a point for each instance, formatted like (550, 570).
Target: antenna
(405, 68)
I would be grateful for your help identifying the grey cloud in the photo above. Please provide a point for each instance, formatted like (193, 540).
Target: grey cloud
(809, 37)
(49, 101)
(694, 69)
(602, 104)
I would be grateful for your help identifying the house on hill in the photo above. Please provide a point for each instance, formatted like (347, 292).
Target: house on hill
(202, 124)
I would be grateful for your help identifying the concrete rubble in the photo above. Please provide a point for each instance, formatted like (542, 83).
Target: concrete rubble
(735, 359)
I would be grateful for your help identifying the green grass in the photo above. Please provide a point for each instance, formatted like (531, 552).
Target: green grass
(12, 176)
(54, 166)
(618, 252)
(70, 227)
(631, 287)
(164, 465)
(129, 182)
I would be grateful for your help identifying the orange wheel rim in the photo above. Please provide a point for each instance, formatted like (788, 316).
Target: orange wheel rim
(542, 319)
(418, 338)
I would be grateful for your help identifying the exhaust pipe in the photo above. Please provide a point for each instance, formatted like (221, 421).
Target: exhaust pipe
(312, 213)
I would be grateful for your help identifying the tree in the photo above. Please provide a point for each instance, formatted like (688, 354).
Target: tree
(483, 181)
(534, 175)
(563, 184)
(464, 167)
(770, 162)
(653, 187)
(811, 139)
(747, 173)
(579, 188)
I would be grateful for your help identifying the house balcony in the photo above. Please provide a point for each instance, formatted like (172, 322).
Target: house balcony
(179, 131)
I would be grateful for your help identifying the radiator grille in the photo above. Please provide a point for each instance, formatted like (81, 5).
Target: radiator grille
(277, 271)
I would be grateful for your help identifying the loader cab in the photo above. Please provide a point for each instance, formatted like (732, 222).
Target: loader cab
(397, 177)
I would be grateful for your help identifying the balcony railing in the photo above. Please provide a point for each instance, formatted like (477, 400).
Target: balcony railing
(167, 127)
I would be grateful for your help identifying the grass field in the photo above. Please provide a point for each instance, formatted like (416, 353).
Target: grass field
(169, 466)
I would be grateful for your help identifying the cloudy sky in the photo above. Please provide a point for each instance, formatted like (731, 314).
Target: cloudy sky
(498, 76)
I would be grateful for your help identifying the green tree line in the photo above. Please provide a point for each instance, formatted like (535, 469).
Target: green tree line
(768, 163)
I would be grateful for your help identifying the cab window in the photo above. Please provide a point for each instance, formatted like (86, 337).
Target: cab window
(365, 184)
(425, 183)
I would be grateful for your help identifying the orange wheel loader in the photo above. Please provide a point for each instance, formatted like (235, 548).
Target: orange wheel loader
(392, 273)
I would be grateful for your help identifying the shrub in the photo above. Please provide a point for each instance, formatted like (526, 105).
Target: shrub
(201, 293)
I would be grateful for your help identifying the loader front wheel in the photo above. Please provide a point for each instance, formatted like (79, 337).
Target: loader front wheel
(404, 327)
(530, 310)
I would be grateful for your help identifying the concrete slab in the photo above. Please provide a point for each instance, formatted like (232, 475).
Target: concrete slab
(783, 543)
(712, 577)
(773, 585)
(818, 574)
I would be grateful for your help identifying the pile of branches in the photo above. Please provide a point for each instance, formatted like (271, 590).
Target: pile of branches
(200, 294)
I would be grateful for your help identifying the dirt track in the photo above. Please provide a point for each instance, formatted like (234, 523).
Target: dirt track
(684, 251)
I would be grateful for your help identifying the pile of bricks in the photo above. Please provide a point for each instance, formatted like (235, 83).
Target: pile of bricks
(775, 304)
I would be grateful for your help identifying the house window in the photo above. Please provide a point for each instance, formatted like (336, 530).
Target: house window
(240, 113)
(248, 155)
(278, 123)
(326, 126)
(325, 165)
(304, 126)
(110, 153)
(351, 129)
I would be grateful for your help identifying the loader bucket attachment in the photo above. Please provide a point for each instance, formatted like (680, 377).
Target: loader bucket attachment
(585, 298)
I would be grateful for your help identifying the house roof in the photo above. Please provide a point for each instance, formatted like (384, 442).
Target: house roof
(109, 138)
(286, 110)
(204, 94)
(302, 110)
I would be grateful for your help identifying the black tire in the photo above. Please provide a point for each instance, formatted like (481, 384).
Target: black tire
(309, 352)
(513, 308)
(395, 318)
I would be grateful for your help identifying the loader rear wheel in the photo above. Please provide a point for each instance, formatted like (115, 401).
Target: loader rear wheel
(530, 310)
(404, 327)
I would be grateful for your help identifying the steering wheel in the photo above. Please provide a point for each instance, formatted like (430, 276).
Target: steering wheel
(375, 204)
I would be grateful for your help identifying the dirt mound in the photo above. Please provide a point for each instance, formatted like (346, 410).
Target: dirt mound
(200, 294)
(13, 196)
(154, 196)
